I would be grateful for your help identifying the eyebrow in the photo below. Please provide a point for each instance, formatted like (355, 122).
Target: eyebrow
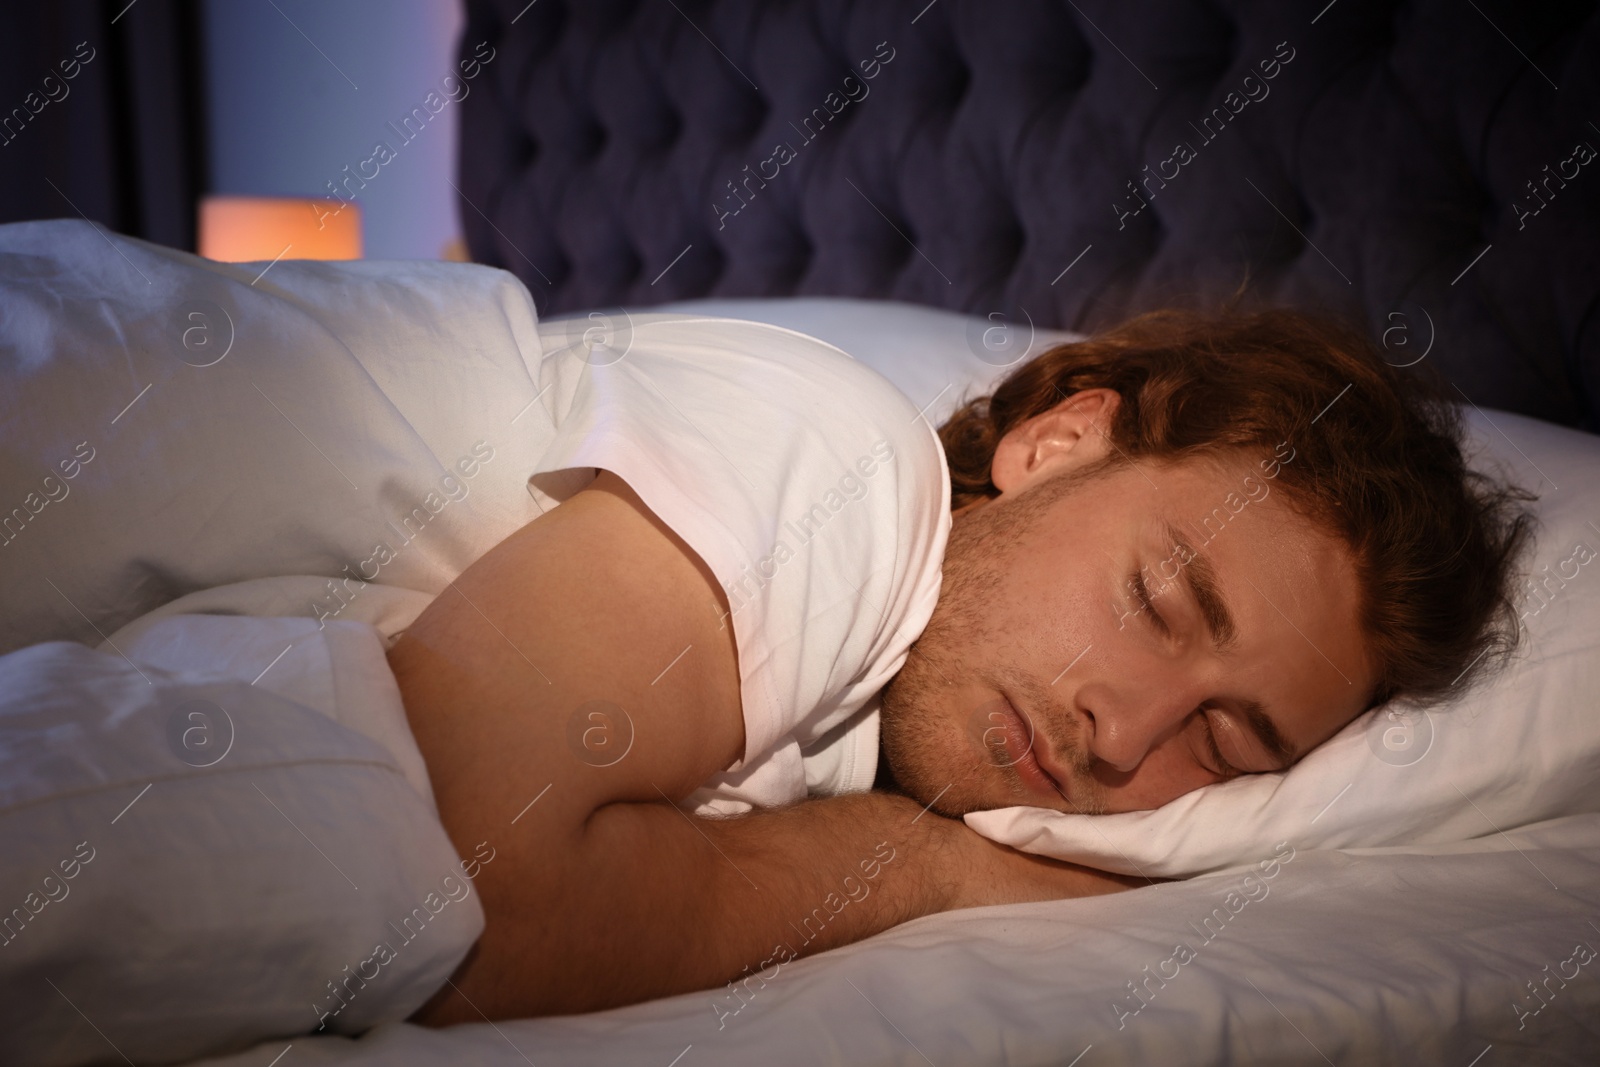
(1201, 581)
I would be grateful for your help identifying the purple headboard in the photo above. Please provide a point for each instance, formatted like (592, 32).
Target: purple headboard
(1425, 167)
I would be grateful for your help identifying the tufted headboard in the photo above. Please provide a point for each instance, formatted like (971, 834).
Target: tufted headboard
(1427, 167)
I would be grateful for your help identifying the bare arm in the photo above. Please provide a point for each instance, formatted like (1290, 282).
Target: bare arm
(603, 892)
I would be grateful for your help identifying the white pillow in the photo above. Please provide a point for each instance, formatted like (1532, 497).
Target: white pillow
(169, 424)
(936, 357)
(188, 864)
(1519, 749)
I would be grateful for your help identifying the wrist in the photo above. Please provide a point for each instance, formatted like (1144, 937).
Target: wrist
(946, 859)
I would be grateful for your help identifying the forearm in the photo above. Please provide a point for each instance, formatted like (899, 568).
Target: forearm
(777, 885)
(646, 900)
(652, 902)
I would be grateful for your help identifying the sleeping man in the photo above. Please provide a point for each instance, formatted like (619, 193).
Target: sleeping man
(725, 704)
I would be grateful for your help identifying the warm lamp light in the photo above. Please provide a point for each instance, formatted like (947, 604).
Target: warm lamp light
(245, 229)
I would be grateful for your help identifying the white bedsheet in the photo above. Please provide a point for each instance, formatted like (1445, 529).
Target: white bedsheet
(1378, 956)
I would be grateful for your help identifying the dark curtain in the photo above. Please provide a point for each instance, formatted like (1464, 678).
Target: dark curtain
(101, 115)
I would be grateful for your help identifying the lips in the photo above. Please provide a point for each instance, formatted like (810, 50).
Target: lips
(1021, 743)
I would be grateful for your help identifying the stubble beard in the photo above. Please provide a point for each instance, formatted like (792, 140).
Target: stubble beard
(930, 753)
(925, 752)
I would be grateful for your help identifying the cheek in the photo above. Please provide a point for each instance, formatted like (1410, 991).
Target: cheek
(1033, 603)
(1056, 598)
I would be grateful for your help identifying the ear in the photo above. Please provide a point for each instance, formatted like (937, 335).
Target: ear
(1070, 436)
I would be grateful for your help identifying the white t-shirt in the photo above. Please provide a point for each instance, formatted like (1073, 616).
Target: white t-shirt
(811, 487)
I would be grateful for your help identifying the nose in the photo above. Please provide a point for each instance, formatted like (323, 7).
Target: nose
(1123, 726)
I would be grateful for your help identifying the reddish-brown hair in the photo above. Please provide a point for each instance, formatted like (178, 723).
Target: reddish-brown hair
(1377, 460)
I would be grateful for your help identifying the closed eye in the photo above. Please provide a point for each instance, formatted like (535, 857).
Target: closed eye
(1146, 605)
(1224, 768)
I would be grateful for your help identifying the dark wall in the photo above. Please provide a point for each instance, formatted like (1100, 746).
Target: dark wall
(120, 142)
(1009, 158)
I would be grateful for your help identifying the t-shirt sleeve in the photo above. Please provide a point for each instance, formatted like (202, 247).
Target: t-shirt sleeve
(810, 486)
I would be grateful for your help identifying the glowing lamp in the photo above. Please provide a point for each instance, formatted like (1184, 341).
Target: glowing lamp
(245, 229)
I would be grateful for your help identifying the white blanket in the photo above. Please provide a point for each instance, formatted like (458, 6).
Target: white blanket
(218, 830)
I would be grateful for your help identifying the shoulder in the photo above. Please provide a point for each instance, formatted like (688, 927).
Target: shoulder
(776, 365)
(813, 489)
(713, 404)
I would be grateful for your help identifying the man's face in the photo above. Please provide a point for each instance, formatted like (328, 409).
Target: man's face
(1098, 629)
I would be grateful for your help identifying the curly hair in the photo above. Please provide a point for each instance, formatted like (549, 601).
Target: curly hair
(1377, 460)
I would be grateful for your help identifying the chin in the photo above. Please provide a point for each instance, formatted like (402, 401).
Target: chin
(928, 744)
(937, 771)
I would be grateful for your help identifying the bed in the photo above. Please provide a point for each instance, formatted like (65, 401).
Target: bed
(596, 173)
(206, 694)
